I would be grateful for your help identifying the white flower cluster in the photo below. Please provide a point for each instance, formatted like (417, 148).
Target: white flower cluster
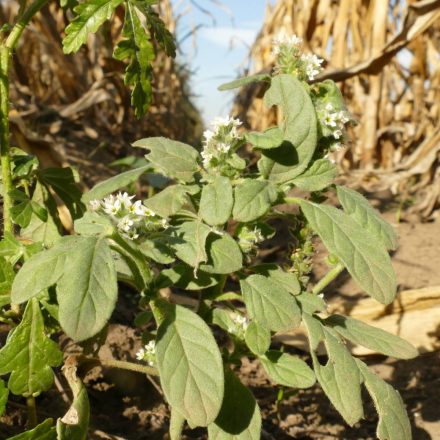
(129, 217)
(218, 141)
(291, 59)
(248, 238)
(334, 121)
(148, 353)
(240, 324)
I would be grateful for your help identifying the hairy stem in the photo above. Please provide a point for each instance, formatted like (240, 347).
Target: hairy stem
(328, 278)
(32, 412)
(121, 365)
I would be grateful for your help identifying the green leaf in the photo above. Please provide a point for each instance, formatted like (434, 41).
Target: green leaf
(190, 366)
(393, 419)
(42, 270)
(4, 394)
(340, 379)
(169, 201)
(300, 129)
(317, 177)
(358, 207)
(270, 304)
(176, 425)
(21, 213)
(48, 231)
(63, 182)
(257, 338)
(190, 242)
(158, 249)
(287, 370)
(240, 82)
(253, 198)
(103, 189)
(315, 330)
(239, 417)
(310, 303)
(138, 49)
(10, 248)
(44, 431)
(273, 137)
(91, 14)
(371, 337)
(74, 424)
(91, 223)
(365, 258)
(7, 275)
(29, 355)
(87, 292)
(223, 319)
(224, 255)
(182, 276)
(172, 158)
(287, 280)
(216, 201)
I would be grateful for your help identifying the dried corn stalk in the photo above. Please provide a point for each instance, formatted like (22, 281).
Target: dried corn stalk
(395, 98)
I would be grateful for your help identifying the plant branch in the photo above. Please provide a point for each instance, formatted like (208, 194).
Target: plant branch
(32, 412)
(328, 278)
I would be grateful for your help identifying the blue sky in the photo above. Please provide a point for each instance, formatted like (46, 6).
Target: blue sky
(221, 46)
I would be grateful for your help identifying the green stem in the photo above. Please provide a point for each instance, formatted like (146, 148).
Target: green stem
(328, 278)
(121, 365)
(32, 412)
(294, 200)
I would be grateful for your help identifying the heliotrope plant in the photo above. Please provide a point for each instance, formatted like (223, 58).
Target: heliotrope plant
(200, 237)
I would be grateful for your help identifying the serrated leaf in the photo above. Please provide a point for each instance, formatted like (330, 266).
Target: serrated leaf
(172, 158)
(42, 270)
(371, 337)
(91, 223)
(257, 338)
(240, 82)
(138, 49)
(270, 304)
(7, 275)
(340, 379)
(91, 14)
(287, 370)
(169, 201)
(29, 355)
(87, 292)
(253, 198)
(271, 138)
(182, 276)
(239, 417)
(216, 201)
(190, 242)
(44, 431)
(224, 255)
(358, 207)
(284, 163)
(287, 280)
(190, 366)
(62, 181)
(75, 423)
(365, 259)
(317, 177)
(4, 393)
(393, 419)
(113, 184)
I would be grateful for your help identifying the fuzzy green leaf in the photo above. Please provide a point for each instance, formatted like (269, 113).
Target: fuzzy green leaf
(190, 366)
(44, 431)
(253, 198)
(224, 255)
(257, 338)
(158, 249)
(239, 417)
(91, 223)
(363, 256)
(75, 423)
(172, 158)
(287, 370)
(87, 292)
(7, 275)
(270, 304)
(271, 138)
(287, 280)
(4, 393)
(29, 355)
(240, 82)
(358, 207)
(310, 303)
(317, 177)
(288, 161)
(393, 419)
(216, 201)
(182, 276)
(340, 379)
(21, 212)
(371, 337)
(176, 425)
(91, 14)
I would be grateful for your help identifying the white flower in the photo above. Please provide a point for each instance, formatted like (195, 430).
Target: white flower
(223, 147)
(112, 205)
(125, 199)
(95, 205)
(241, 321)
(148, 353)
(282, 40)
(312, 65)
(132, 234)
(337, 134)
(223, 122)
(125, 224)
(140, 354)
(208, 135)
